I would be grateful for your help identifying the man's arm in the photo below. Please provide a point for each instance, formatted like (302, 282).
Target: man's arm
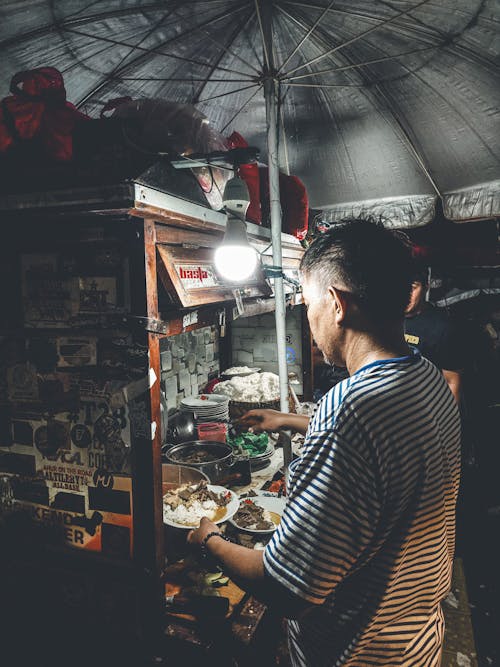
(246, 568)
(454, 382)
(272, 420)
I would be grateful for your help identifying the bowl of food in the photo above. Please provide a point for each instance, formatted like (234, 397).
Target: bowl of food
(259, 513)
(186, 505)
(213, 458)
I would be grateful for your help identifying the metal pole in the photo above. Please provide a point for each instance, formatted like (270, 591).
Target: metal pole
(271, 92)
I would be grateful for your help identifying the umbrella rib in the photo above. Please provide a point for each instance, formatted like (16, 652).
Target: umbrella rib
(141, 41)
(177, 79)
(408, 141)
(229, 92)
(117, 42)
(144, 54)
(232, 53)
(402, 131)
(217, 62)
(241, 108)
(343, 68)
(50, 27)
(357, 37)
(325, 85)
(262, 34)
(465, 51)
(306, 36)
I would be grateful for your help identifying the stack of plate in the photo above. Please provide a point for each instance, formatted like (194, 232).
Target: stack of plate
(207, 407)
(262, 460)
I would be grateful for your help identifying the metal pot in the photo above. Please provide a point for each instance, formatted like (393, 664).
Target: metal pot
(218, 468)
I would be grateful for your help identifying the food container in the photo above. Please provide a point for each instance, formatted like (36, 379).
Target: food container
(220, 457)
(214, 431)
(173, 476)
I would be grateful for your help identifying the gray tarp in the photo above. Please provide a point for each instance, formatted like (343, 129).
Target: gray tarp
(384, 105)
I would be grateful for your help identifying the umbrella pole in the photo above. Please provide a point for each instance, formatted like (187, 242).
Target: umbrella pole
(270, 92)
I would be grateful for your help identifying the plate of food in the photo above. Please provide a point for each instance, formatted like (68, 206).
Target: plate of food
(186, 505)
(259, 512)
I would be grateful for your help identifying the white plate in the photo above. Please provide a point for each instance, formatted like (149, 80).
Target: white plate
(231, 508)
(268, 501)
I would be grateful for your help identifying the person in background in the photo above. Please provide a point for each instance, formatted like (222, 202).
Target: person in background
(362, 557)
(433, 333)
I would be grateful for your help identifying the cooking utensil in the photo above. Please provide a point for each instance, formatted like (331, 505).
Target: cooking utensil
(221, 457)
(181, 427)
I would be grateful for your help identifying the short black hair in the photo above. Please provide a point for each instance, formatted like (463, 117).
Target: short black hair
(371, 262)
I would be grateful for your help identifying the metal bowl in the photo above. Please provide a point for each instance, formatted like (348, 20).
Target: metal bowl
(174, 475)
(219, 465)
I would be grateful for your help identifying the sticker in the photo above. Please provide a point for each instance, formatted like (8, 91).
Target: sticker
(22, 383)
(97, 294)
(49, 299)
(153, 430)
(412, 340)
(76, 352)
(196, 276)
(189, 319)
(152, 377)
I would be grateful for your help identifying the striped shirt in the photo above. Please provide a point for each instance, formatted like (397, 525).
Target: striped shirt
(368, 533)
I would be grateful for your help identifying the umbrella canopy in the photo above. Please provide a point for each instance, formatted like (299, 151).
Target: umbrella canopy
(382, 105)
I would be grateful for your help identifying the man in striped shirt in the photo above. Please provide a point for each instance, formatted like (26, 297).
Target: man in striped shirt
(363, 556)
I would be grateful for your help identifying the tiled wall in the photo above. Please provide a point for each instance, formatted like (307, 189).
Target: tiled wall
(254, 343)
(188, 362)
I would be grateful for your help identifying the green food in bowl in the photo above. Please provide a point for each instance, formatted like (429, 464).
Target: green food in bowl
(252, 443)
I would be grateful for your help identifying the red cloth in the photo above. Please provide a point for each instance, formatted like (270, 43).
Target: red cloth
(250, 174)
(38, 111)
(293, 194)
(294, 202)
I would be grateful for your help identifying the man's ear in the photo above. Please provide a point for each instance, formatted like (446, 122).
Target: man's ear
(340, 304)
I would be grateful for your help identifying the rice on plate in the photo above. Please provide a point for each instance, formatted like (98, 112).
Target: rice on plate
(185, 506)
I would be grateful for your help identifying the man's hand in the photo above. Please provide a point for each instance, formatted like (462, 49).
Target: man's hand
(196, 537)
(272, 420)
(263, 420)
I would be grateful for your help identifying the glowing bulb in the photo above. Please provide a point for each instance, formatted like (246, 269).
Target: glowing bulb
(235, 263)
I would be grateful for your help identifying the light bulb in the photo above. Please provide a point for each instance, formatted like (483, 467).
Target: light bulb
(235, 263)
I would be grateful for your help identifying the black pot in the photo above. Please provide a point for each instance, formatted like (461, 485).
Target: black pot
(218, 468)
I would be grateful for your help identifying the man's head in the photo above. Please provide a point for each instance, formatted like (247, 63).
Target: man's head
(356, 276)
(419, 284)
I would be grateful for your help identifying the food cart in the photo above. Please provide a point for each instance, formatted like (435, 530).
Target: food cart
(94, 279)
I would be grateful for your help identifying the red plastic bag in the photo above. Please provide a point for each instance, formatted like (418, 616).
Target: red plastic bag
(37, 112)
(294, 203)
(250, 174)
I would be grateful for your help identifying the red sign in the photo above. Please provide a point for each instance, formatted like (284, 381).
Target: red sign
(194, 276)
